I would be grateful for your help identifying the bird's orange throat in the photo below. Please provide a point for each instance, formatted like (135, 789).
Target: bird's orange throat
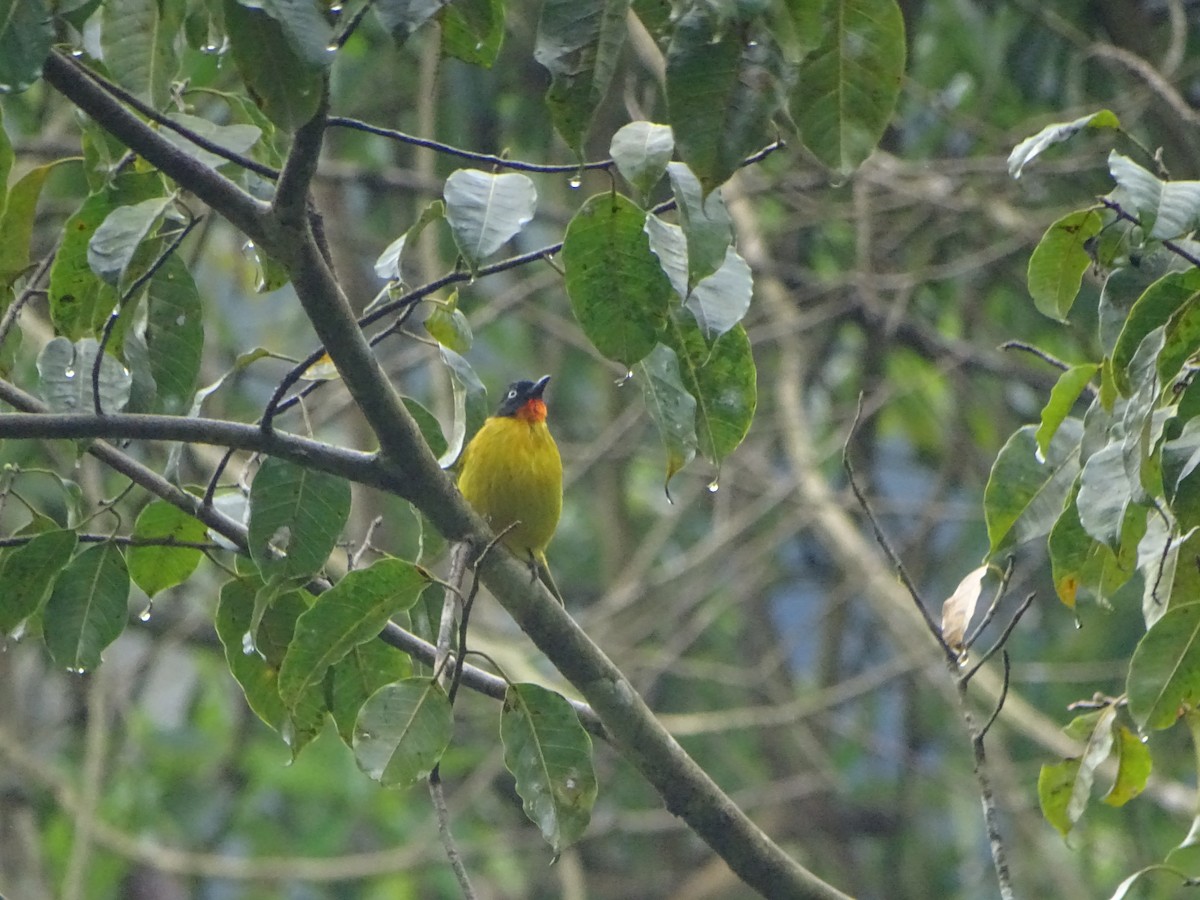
(533, 411)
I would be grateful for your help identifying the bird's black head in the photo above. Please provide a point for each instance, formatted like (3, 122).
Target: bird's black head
(520, 393)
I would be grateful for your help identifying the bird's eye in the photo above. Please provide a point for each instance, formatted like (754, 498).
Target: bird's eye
(512, 395)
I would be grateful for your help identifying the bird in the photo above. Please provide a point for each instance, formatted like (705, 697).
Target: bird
(511, 473)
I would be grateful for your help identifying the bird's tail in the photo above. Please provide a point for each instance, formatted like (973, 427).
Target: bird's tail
(543, 569)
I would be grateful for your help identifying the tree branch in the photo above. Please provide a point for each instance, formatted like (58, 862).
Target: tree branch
(353, 465)
(207, 183)
(685, 787)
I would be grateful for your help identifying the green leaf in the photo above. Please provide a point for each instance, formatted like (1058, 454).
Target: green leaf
(1032, 147)
(1057, 264)
(670, 246)
(114, 243)
(287, 89)
(27, 572)
(641, 151)
(1153, 309)
(722, 89)
(6, 161)
(617, 288)
(430, 427)
(1104, 494)
(402, 731)
(470, 404)
(296, 517)
(1024, 495)
(1164, 674)
(721, 300)
(26, 33)
(722, 379)
(156, 568)
(138, 40)
(78, 299)
(1095, 753)
(485, 211)
(1063, 397)
(579, 43)
(706, 224)
(306, 28)
(389, 265)
(1056, 786)
(1082, 565)
(257, 674)
(65, 375)
(1165, 582)
(350, 613)
(87, 608)
(236, 138)
(671, 407)
(359, 674)
(550, 755)
(847, 86)
(473, 31)
(403, 17)
(174, 335)
(1165, 209)
(1133, 768)
(16, 223)
(450, 328)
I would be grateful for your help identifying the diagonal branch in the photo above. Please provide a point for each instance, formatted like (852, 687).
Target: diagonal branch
(686, 788)
(207, 183)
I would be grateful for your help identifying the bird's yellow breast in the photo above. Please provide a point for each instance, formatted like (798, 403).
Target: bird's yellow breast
(512, 475)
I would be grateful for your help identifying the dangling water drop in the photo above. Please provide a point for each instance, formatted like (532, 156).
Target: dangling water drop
(624, 379)
(144, 615)
(1039, 456)
(1078, 622)
(248, 644)
(714, 486)
(68, 372)
(575, 181)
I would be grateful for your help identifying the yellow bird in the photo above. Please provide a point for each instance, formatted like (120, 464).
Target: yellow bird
(512, 474)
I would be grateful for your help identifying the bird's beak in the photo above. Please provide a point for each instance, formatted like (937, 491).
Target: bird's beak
(539, 386)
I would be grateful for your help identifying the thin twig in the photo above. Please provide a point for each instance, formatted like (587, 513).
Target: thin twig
(487, 159)
(886, 546)
(125, 540)
(448, 843)
(356, 559)
(95, 752)
(30, 291)
(999, 700)
(1038, 352)
(1001, 588)
(991, 815)
(1002, 640)
(1169, 244)
(154, 115)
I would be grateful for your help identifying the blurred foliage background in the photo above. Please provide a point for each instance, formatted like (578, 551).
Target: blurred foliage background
(736, 610)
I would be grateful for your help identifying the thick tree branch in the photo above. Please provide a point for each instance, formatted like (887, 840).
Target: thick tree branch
(207, 183)
(235, 533)
(353, 465)
(291, 194)
(685, 787)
